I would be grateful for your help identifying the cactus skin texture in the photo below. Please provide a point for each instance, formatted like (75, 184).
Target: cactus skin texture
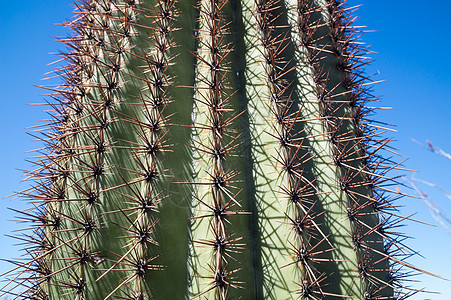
(212, 149)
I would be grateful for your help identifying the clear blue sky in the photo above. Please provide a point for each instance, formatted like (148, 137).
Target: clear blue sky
(412, 39)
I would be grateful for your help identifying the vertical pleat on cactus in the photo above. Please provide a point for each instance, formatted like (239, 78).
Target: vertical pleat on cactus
(212, 149)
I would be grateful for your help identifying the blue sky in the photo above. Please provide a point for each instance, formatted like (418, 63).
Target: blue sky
(412, 41)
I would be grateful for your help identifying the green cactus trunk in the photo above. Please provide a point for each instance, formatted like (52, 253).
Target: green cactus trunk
(212, 149)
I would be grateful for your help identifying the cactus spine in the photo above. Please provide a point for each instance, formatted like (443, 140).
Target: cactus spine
(212, 149)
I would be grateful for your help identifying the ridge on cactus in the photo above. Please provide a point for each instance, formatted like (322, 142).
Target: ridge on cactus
(212, 149)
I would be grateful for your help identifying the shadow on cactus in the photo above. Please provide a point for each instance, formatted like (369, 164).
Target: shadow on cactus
(212, 150)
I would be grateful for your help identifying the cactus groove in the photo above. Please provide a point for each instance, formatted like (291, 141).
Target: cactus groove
(212, 149)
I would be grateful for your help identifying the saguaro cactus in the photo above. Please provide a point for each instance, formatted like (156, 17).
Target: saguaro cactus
(212, 149)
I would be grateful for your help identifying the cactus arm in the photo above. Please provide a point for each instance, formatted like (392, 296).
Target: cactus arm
(131, 135)
(172, 230)
(221, 220)
(92, 117)
(333, 200)
(211, 149)
(335, 90)
(266, 171)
